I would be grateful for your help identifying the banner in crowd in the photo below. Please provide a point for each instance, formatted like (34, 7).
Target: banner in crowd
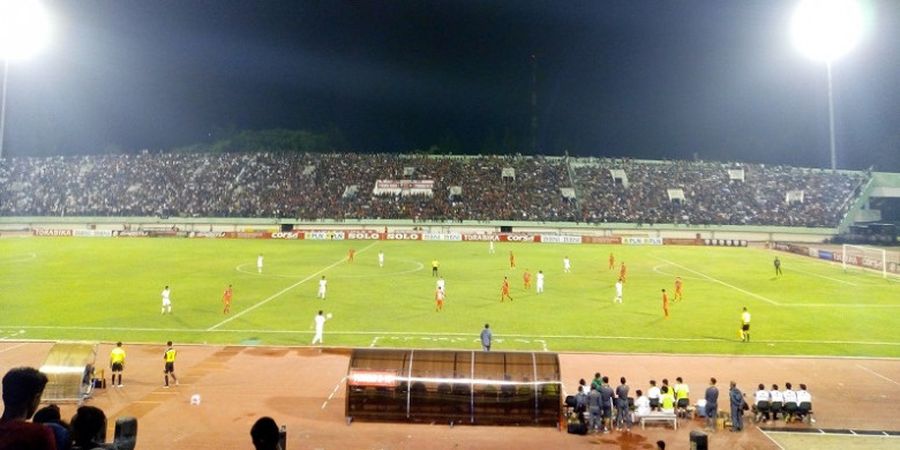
(601, 240)
(92, 233)
(559, 239)
(52, 232)
(404, 187)
(642, 240)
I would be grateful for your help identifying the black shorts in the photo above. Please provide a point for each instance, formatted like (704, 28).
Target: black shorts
(170, 367)
(746, 327)
(117, 366)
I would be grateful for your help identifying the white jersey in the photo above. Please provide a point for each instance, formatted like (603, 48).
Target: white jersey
(491, 248)
(320, 323)
(762, 396)
(567, 265)
(380, 258)
(259, 261)
(540, 282)
(789, 396)
(165, 297)
(745, 318)
(804, 397)
(776, 396)
(618, 289)
(440, 284)
(322, 284)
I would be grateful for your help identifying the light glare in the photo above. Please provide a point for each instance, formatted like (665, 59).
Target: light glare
(24, 28)
(825, 30)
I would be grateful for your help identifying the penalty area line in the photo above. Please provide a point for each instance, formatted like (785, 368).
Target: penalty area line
(279, 293)
(752, 294)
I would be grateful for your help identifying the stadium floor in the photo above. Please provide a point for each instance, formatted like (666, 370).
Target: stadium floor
(302, 388)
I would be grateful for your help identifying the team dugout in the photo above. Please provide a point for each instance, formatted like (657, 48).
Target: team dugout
(471, 387)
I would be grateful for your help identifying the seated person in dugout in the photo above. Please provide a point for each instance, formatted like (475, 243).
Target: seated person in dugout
(653, 395)
(667, 401)
(804, 402)
(790, 402)
(776, 399)
(641, 405)
(682, 397)
(761, 403)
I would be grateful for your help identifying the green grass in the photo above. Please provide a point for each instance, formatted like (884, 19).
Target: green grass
(108, 289)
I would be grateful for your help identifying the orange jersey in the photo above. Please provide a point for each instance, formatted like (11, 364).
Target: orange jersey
(512, 260)
(505, 287)
(226, 296)
(665, 299)
(612, 261)
(526, 277)
(677, 285)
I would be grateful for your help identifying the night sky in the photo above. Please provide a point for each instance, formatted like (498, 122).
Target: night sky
(646, 79)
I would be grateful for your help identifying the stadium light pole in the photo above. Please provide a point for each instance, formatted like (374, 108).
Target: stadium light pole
(24, 30)
(825, 30)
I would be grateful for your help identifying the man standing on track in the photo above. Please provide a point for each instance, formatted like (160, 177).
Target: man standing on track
(226, 299)
(745, 325)
(166, 301)
(117, 364)
(169, 357)
(486, 338)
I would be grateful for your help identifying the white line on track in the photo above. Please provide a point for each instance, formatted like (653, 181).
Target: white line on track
(382, 334)
(278, 294)
(13, 347)
(877, 374)
(770, 438)
(333, 392)
(716, 280)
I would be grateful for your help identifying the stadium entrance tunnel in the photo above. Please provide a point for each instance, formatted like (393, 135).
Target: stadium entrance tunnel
(456, 387)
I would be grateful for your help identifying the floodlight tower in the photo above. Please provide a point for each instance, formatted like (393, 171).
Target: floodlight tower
(24, 29)
(825, 30)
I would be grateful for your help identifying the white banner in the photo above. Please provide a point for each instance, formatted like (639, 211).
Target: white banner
(404, 187)
(92, 233)
(560, 239)
(642, 241)
(324, 235)
(441, 236)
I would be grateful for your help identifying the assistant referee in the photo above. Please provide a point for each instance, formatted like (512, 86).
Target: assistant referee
(117, 364)
(169, 357)
(745, 325)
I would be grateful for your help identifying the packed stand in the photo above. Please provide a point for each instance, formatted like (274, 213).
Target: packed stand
(313, 186)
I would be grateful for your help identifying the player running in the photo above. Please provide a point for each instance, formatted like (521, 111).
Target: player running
(491, 247)
(678, 286)
(665, 300)
(439, 300)
(166, 301)
(504, 291)
(259, 263)
(226, 299)
(618, 298)
(441, 284)
(745, 325)
(526, 279)
(323, 284)
(623, 271)
(567, 265)
(540, 282)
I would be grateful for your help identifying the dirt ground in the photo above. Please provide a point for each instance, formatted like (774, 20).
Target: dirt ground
(237, 385)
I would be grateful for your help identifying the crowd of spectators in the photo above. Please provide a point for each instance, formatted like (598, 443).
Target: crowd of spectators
(340, 186)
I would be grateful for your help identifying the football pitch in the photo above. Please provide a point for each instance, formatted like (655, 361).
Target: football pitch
(109, 290)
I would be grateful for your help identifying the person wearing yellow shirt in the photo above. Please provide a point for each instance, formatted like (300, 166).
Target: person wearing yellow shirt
(666, 400)
(682, 396)
(169, 357)
(117, 364)
(434, 267)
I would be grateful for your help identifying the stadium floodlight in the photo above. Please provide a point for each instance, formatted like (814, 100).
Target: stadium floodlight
(24, 30)
(825, 30)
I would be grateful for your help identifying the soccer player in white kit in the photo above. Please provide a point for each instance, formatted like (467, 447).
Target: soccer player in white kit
(618, 298)
(567, 265)
(259, 263)
(441, 285)
(322, 284)
(380, 259)
(320, 327)
(166, 301)
(491, 248)
(540, 282)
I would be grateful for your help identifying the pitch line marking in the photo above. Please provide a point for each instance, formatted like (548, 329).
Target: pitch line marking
(877, 374)
(279, 293)
(754, 295)
(398, 334)
(824, 276)
(656, 269)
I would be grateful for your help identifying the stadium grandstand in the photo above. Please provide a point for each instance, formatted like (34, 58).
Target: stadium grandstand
(314, 186)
